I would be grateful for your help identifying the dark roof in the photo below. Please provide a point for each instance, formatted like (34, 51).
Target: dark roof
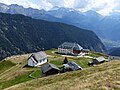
(48, 66)
(74, 65)
(38, 56)
(69, 45)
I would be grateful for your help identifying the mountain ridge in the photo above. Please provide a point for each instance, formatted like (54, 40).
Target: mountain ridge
(90, 20)
(23, 34)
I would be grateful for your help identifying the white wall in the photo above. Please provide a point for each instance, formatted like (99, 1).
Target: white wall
(65, 51)
(40, 62)
(30, 62)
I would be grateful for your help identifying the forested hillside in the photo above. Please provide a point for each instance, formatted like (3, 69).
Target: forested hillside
(21, 34)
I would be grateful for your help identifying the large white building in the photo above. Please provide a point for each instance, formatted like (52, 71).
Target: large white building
(70, 48)
(37, 59)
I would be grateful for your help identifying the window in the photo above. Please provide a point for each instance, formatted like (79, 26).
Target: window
(40, 61)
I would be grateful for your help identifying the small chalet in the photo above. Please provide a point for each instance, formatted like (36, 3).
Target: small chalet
(37, 59)
(110, 58)
(98, 60)
(70, 48)
(71, 66)
(49, 69)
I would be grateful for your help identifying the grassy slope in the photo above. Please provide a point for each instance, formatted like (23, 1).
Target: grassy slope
(17, 73)
(5, 65)
(14, 73)
(17, 80)
(102, 77)
(97, 54)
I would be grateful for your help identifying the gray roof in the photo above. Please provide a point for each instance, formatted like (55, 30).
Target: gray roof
(114, 57)
(86, 50)
(100, 59)
(66, 66)
(69, 45)
(48, 66)
(74, 65)
(39, 55)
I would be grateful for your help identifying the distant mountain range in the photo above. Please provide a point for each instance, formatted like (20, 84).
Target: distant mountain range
(114, 51)
(102, 26)
(34, 13)
(22, 34)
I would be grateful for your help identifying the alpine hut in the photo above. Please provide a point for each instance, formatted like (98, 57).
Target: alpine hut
(69, 48)
(37, 59)
(98, 60)
(49, 69)
(71, 66)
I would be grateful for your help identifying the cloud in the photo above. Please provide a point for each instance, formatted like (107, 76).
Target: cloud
(25, 3)
(44, 4)
(80, 3)
(62, 3)
(103, 7)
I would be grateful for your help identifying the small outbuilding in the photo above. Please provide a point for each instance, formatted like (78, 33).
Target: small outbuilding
(70, 48)
(71, 66)
(74, 66)
(96, 61)
(49, 69)
(37, 59)
(110, 58)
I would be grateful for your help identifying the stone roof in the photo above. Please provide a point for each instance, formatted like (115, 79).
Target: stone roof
(38, 56)
(100, 59)
(69, 45)
(73, 65)
(48, 66)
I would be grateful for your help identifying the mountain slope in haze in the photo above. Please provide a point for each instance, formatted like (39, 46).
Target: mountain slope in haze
(91, 20)
(115, 52)
(87, 20)
(35, 13)
(21, 34)
(105, 27)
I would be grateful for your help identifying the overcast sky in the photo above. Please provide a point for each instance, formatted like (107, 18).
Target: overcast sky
(103, 7)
